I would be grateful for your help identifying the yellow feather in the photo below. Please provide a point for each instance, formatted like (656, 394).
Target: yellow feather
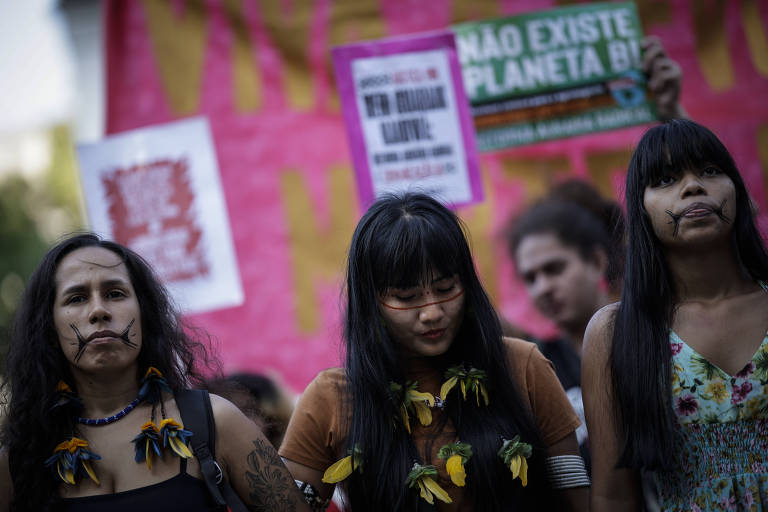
(76, 443)
(152, 370)
(425, 493)
(174, 447)
(171, 422)
(418, 396)
(524, 472)
(187, 452)
(406, 419)
(424, 413)
(68, 476)
(338, 471)
(148, 454)
(180, 448)
(64, 445)
(463, 390)
(514, 466)
(438, 491)
(456, 470)
(173, 443)
(89, 470)
(485, 394)
(447, 387)
(149, 424)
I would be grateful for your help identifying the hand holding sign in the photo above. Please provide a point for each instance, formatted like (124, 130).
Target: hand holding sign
(664, 79)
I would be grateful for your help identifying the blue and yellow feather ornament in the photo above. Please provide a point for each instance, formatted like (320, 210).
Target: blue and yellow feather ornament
(66, 398)
(71, 458)
(175, 437)
(152, 386)
(147, 442)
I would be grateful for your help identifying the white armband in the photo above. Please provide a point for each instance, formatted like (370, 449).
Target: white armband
(566, 471)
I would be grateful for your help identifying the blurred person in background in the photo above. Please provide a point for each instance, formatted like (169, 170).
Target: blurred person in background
(263, 399)
(570, 261)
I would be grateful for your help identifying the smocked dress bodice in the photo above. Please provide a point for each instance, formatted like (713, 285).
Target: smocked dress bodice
(720, 457)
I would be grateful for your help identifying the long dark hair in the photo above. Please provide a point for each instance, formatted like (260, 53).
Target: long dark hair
(400, 242)
(36, 364)
(640, 353)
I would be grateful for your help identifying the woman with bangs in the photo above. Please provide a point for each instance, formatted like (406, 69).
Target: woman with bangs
(434, 409)
(676, 374)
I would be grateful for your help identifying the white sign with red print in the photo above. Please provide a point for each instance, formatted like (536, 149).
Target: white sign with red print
(157, 191)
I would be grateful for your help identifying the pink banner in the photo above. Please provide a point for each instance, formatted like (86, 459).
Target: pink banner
(261, 73)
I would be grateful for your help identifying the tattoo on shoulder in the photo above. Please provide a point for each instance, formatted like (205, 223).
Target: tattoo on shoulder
(269, 483)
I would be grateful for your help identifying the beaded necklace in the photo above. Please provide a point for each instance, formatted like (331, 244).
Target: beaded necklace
(72, 458)
(110, 419)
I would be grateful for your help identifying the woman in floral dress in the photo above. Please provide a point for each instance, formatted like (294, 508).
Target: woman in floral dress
(676, 374)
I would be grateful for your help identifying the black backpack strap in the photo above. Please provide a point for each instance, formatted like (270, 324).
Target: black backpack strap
(197, 416)
(234, 503)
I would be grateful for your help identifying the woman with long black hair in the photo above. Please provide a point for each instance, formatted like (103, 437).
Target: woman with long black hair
(434, 409)
(675, 374)
(96, 330)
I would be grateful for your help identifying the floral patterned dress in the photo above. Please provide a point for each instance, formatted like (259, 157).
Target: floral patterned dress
(721, 450)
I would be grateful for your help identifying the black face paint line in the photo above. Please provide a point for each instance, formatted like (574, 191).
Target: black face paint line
(717, 210)
(124, 335)
(82, 342)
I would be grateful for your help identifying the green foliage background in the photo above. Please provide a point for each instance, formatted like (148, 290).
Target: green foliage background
(34, 212)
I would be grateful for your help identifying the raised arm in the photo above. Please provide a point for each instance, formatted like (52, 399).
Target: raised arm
(612, 489)
(255, 470)
(664, 79)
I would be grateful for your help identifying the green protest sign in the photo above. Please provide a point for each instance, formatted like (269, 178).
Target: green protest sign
(552, 74)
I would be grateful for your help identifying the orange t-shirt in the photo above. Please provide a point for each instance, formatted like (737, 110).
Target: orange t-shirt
(317, 434)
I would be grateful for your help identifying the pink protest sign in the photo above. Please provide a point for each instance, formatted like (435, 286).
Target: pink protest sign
(408, 118)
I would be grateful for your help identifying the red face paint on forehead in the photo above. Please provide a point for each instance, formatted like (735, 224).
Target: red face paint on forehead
(449, 299)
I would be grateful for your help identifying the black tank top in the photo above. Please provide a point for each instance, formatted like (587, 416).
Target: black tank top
(182, 492)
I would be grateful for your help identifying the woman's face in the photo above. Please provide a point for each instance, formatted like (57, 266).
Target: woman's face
(424, 320)
(691, 206)
(96, 312)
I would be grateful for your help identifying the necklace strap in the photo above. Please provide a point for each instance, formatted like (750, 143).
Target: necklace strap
(110, 419)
